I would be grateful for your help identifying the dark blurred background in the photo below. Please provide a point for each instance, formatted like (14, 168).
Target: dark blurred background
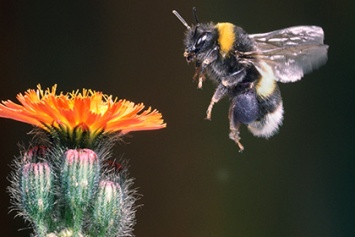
(194, 182)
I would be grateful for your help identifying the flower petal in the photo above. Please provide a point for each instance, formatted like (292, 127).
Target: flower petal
(91, 110)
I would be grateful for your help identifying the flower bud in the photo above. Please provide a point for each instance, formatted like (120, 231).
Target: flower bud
(107, 209)
(36, 194)
(80, 175)
(34, 154)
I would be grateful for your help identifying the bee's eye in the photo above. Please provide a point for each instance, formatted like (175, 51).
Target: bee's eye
(201, 40)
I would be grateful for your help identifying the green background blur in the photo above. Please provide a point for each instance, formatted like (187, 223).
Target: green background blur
(194, 182)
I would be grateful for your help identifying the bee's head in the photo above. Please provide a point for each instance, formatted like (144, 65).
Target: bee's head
(200, 38)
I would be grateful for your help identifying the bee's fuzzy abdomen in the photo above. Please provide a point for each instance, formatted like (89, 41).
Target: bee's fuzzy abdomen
(245, 107)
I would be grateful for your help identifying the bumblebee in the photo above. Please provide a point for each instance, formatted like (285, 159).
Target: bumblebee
(246, 68)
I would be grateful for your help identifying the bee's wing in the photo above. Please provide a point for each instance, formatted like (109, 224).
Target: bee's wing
(292, 52)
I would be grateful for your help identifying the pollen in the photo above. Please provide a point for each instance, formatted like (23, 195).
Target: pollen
(226, 37)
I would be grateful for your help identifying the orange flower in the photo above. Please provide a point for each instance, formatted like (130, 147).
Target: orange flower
(89, 111)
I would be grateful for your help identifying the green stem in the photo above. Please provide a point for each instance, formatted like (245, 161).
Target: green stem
(77, 222)
(41, 229)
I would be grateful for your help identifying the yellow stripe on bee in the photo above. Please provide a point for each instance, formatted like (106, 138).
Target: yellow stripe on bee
(226, 37)
(266, 85)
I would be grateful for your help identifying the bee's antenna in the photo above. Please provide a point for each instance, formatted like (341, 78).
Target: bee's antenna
(181, 19)
(194, 12)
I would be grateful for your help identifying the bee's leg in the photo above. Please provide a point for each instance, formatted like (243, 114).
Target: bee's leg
(199, 74)
(220, 92)
(234, 129)
(201, 79)
(209, 58)
(234, 78)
